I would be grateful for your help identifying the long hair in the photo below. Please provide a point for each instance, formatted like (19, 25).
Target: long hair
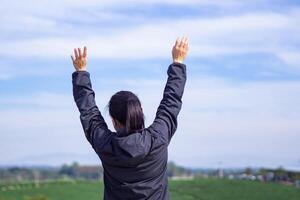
(125, 107)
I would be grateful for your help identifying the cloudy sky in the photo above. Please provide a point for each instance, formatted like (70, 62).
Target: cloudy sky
(241, 101)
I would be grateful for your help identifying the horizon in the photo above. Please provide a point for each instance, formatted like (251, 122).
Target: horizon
(240, 104)
(41, 166)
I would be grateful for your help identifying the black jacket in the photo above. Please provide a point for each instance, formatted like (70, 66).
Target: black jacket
(135, 166)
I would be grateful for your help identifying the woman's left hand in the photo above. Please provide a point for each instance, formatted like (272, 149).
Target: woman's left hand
(80, 59)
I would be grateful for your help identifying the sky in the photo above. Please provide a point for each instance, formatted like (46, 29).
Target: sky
(241, 100)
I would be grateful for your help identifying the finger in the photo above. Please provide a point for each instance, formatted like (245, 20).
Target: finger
(79, 50)
(186, 40)
(75, 52)
(187, 48)
(181, 42)
(185, 43)
(177, 42)
(72, 58)
(84, 51)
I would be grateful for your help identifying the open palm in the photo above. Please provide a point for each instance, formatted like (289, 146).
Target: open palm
(80, 59)
(180, 49)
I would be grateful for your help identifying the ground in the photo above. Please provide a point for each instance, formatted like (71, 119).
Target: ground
(198, 189)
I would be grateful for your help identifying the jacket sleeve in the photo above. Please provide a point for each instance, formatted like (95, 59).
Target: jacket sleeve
(165, 122)
(94, 126)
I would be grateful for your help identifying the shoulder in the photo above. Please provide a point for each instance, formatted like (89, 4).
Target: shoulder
(157, 136)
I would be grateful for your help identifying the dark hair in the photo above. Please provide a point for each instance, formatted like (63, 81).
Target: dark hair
(125, 107)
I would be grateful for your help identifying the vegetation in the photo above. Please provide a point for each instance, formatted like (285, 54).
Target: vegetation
(73, 171)
(197, 189)
(82, 182)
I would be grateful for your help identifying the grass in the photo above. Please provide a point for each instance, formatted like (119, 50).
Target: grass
(198, 189)
(213, 189)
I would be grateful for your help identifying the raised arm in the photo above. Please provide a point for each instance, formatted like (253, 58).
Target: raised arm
(94, 126)
(165, 122)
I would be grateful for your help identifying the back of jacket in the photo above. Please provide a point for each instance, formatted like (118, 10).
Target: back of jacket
(135, 165)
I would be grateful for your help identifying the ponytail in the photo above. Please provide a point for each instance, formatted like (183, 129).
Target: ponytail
(134, 116)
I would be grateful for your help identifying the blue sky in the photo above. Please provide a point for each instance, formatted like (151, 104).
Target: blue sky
(240, 106)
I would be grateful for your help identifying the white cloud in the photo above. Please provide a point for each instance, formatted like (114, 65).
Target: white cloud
(32, 15)
(259, 119)
(54, 6)
(49, 32)
(238, 123)
(259, 33)
(26, 22)
(10, 71)
(41, 100)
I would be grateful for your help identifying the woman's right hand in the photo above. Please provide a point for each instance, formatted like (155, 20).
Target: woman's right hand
(180, 49)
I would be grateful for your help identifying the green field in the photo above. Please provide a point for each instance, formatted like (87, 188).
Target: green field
(200, 189)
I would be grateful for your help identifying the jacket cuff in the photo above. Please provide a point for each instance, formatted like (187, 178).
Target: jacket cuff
(177, 65)
(81, 78)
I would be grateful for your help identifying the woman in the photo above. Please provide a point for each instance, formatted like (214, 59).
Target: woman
(134, 158)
